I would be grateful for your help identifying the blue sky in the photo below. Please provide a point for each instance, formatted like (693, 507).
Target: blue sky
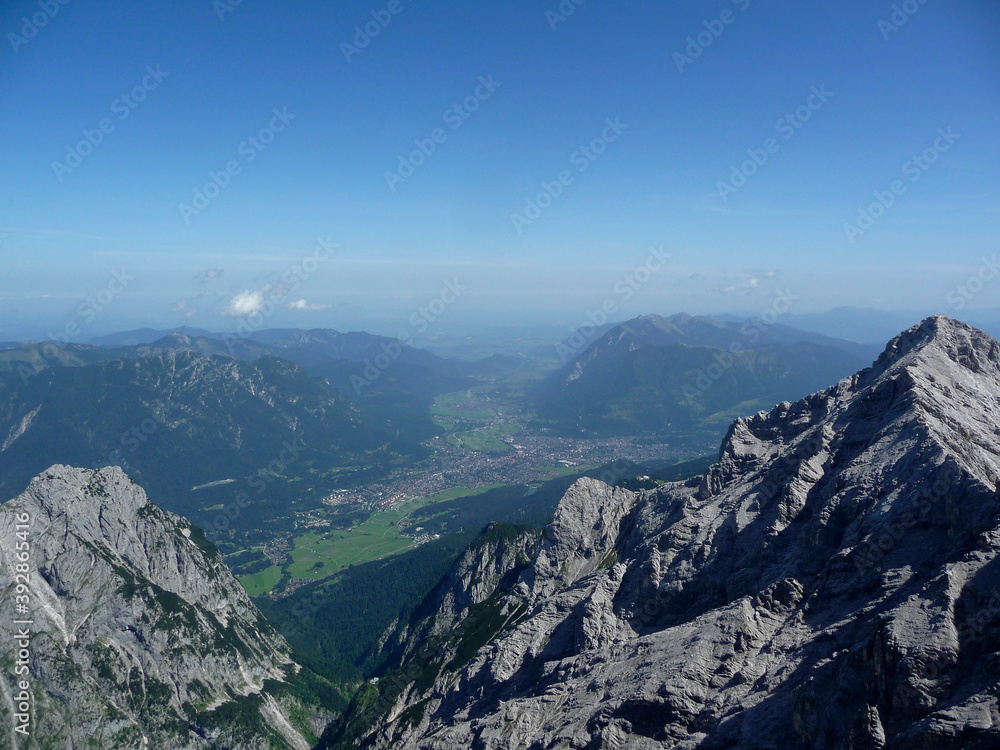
(209, 84)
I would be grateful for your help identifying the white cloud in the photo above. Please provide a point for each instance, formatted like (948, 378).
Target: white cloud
(749, 284)
(243, 304)
(303, 305)
(210, 274)
(185, 307)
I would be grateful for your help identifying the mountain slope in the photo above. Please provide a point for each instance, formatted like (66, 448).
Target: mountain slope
(686, 378)
(149, 335)
(829, 583)
(27, 360)
(697, 330)
(141, 637)
(237, 348)
(178, 421)
(392, 383)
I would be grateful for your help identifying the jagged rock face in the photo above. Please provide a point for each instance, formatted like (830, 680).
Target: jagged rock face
(141, 638)
(491, 563)
(581, 536)
(831, 582)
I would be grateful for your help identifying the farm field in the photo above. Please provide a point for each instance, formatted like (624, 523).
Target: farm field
(320, 554)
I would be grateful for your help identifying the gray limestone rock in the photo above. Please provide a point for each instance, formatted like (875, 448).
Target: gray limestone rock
(831, 582)
(141, 637)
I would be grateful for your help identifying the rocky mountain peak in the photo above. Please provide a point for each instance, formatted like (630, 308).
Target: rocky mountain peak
(937, 337)
(139, 631)
(67, 491)
(832, 582)
(175, 339)
(581, 536)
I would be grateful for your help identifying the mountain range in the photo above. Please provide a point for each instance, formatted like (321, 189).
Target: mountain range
(685, 377)
(830, 582)
(195, 430)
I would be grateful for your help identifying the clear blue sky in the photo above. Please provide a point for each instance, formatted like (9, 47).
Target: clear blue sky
(64, 231)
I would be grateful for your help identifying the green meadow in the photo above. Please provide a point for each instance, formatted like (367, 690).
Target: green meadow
(321, 553)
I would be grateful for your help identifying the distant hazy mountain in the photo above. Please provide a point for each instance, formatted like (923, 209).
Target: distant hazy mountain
(27, 359)
(140, 635)
(318, 348)
(694, 330)
(237, 348)
(864, 325)
(687, 376)
(149, 335)
(180, 420)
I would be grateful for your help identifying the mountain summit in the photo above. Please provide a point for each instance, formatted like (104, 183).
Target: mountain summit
(685, 378)
(139, 636)
(831, 582)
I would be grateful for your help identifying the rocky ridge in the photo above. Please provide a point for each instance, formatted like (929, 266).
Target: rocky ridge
(141, 637)
(831, 582)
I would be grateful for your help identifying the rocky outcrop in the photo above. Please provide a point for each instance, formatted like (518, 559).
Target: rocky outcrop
(831, 582)
(140, 637)
(491, 563)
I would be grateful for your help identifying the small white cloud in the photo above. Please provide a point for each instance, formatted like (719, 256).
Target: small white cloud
(243, 304)
(303, 305)
(749, 285)
(186, 307)
(210, 274)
